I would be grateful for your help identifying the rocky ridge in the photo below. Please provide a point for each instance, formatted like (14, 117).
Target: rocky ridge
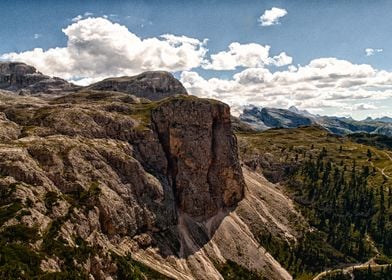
(25, 79)
(266, 118)
(153, 85)
(103, 174)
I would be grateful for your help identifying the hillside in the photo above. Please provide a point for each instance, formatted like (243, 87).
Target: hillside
(343, 188)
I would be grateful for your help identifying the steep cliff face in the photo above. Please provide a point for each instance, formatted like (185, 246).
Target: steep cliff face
(153, 85)
(201, 150)
(99, 175)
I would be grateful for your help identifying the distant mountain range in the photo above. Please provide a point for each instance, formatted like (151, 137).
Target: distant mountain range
(262, 118)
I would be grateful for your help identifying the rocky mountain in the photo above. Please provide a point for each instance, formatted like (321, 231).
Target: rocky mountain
(25, 79)
(99, 184)
(142, 181)
(265, 118)
(382, 119)
(153, 85)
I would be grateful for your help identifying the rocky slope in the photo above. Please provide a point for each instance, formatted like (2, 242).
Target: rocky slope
(97, 175)
(22, 78)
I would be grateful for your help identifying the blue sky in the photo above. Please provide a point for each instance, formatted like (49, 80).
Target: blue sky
(310, 30)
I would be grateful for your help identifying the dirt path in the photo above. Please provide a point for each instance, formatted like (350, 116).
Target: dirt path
(382, 170)
(349, 270)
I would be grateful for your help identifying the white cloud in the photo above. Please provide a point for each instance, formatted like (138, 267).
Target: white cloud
(370, 51)
(282, 59)
(272, 16)
(323, 83)
(37, 36)
(246, 55)
(98, 48)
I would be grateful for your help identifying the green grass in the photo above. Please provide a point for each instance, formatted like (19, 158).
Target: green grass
(129, 269)
(233, 271)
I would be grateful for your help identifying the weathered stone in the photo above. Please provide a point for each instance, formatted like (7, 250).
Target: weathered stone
(17, 76)
(153, 85)
(201, 150)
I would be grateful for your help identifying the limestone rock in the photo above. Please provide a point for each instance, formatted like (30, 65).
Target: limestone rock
(25, 79)
(153, 85)
(201, 149)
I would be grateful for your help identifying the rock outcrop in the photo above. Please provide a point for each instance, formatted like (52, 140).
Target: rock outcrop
(153, 85)
(23, 78)
(201, 150)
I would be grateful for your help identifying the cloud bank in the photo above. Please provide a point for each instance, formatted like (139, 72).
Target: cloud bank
(246, 55)
(99, 48)
(323, 83)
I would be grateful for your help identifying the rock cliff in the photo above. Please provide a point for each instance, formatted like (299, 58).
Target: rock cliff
(201, 150)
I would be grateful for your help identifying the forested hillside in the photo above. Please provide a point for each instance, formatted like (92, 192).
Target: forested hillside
(342, 187)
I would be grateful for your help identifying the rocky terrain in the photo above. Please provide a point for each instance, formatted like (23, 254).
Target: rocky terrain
(266, 118)
(102, 183)
(25, 79)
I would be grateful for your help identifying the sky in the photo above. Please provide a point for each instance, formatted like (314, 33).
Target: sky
(329, 57)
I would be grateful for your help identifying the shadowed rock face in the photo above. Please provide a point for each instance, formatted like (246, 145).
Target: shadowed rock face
(16, 76)
(201, 149)
(153, 85)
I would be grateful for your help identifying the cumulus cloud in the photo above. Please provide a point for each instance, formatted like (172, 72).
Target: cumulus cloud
(323, 83)
(98, 48)
(246, 55)
(272, 16)
(370, 51)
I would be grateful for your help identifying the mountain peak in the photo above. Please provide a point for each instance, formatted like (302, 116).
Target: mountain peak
(294, 109)
(25, 79)
(153, 85)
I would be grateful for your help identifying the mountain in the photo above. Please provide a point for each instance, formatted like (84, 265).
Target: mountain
(25, 79)
(270, 117)
(153, 85)
(382, 119)
(105, 183)
(265, 118)
(99, 184)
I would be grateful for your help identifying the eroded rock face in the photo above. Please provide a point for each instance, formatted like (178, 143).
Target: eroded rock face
(201, 149)
(153, 85)
(16, 76)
